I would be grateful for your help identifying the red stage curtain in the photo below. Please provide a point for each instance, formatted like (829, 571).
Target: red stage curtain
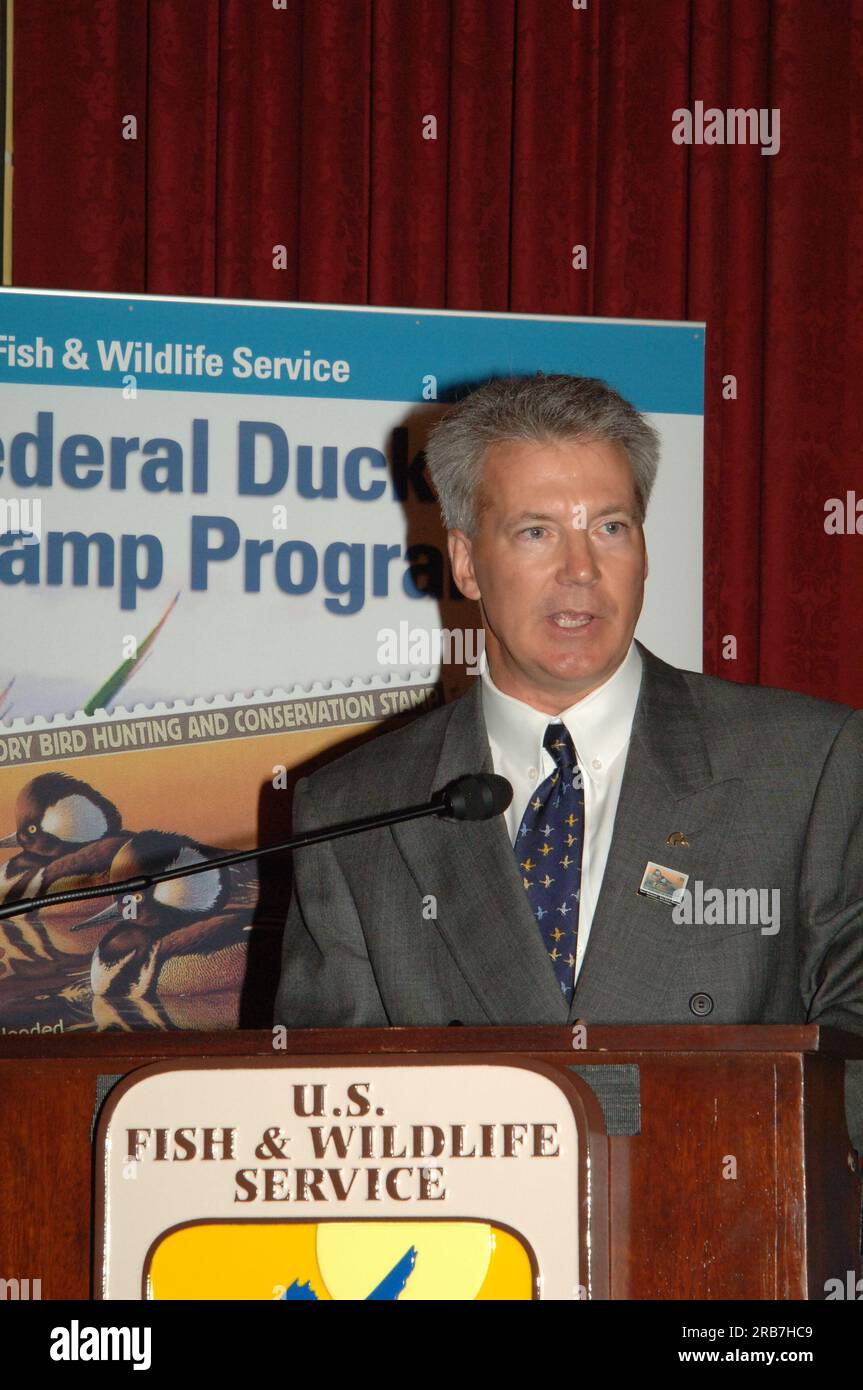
(303, 127)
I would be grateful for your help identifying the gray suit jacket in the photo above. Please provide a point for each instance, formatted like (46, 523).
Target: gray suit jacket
(428, 922)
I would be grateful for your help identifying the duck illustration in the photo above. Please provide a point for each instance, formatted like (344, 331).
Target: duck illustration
(58, 816)
(67, 835)
(174, 954)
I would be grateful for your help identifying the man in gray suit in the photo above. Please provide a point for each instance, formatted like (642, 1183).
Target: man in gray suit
(685, 792)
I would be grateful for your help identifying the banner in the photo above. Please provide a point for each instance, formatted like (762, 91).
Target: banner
(209, 506)
(106, 798)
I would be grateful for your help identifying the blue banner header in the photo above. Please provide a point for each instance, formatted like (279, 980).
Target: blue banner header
(335, 352)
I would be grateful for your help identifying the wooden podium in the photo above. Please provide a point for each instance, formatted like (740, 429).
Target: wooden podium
(725, 1151)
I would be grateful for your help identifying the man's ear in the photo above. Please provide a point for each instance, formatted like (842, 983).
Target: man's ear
(461, 558)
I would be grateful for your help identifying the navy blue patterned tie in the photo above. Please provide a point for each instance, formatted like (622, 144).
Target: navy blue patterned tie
(548, 849)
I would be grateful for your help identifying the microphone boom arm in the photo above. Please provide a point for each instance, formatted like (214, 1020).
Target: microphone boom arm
(459, 799)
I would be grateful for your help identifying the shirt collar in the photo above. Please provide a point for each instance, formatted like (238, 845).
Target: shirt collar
(599, 725)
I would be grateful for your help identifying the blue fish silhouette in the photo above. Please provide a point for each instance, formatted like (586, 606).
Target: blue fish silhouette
(302, 1292)
(387, 1291)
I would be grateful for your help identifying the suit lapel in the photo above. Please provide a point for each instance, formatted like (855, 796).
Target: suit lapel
(668, 785)
(483, 912)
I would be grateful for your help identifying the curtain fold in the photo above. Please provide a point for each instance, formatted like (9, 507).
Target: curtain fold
(455, 153)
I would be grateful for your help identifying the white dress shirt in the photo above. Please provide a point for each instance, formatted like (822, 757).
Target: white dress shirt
(599, 726)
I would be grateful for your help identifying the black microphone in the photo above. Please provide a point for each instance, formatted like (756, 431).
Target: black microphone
(474, 796)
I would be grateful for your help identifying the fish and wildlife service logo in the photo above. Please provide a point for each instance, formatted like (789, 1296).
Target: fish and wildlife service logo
(368, 1261)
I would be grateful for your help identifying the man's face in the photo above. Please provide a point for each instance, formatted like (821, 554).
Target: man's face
(558, 564)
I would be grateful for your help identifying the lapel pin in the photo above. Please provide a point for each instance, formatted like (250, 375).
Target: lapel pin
(658, 881)
(677, 837)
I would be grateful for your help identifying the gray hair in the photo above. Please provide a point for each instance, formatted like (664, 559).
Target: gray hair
(536, 409)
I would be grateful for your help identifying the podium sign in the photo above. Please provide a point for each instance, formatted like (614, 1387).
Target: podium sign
(363, 1178)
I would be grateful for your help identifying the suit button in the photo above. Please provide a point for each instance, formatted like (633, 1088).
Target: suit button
(701, 1004)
